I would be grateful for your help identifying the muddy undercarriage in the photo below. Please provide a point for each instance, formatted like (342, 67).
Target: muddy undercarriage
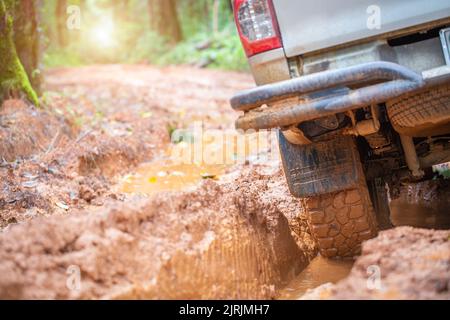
(363, 149)
(370, 127)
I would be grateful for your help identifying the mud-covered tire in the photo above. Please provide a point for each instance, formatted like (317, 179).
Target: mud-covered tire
(425, 113)
(341, 221)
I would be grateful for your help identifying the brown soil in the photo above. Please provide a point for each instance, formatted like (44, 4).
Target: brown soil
(412, 264)
(67, 229)
(242, 236)
(99, 122)
(220, 241)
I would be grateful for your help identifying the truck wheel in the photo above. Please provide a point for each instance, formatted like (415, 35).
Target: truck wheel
(329, 176)
(422, 114)
(341, 221)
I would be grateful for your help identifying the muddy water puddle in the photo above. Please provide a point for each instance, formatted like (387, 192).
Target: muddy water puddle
(318, 272)
(184, 165)
(432, 216)
(162, 175)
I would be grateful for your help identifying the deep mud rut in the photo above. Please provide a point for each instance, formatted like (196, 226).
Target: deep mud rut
(92, 205)
(73, 227)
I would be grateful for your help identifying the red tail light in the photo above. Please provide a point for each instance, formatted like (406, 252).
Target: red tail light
(257, 25)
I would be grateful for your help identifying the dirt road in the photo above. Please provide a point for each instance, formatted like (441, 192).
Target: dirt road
(92, 204)
(70, 231)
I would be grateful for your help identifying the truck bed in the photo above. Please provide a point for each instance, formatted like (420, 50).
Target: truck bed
(308, 26)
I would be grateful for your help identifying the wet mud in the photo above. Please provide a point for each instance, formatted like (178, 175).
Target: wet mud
(94, 204)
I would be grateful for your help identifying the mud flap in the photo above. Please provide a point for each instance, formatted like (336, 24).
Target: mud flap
(320, 168)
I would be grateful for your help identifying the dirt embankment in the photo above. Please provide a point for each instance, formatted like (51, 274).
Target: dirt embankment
(67, 234)
(50, 166)
(402, 263)
(225, 240)
(98, 123)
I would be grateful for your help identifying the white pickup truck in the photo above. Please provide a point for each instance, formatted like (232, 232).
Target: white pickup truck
(360, 93)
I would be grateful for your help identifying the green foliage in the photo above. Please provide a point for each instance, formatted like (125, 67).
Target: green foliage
(149, 47)
(134, 42)
(220, 51)
(443, 170)
(62, 58)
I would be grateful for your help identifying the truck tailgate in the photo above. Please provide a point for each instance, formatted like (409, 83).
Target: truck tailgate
(312, 25)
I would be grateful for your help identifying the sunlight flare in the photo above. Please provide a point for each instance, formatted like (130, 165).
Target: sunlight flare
(103, 34)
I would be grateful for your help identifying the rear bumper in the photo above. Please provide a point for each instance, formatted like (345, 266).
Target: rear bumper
(291, 102)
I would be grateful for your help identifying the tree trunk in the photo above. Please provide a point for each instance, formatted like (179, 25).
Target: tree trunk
(26, 39)
(164, 19)
(215, 18)
(61, 17)
(14, 81)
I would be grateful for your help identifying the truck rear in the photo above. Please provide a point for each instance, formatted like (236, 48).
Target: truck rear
(360, 94)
